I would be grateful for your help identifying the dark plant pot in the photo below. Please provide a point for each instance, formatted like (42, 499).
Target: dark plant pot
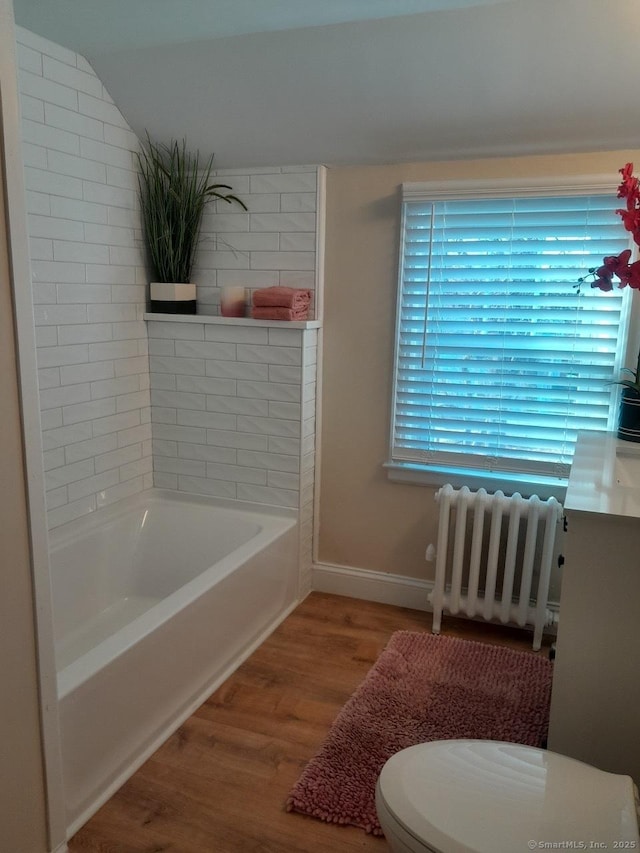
(629, 420)
(166, 306)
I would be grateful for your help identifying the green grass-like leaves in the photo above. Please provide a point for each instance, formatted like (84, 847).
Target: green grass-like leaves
(174, 189)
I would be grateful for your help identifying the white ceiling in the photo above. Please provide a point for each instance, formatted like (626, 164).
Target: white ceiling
(258, 85)
(91, 27)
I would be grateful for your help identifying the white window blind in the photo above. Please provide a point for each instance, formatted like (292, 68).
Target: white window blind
(499, 362)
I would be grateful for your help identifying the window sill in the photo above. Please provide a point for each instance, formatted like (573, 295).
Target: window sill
(432, 475)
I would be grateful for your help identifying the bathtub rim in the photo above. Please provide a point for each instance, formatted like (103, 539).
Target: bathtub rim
(274, 522)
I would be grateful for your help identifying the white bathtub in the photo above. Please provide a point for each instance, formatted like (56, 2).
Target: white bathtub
(156, 601)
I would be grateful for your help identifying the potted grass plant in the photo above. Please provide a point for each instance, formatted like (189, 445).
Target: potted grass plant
(174, 188)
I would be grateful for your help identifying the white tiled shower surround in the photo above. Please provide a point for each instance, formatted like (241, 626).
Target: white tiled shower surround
(233, 410)
(89, 288)
(88, 282)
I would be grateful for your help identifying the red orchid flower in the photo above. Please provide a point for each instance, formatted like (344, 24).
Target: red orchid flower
(603, 283)
(626, 171)
(617, 265)
(630, 276)
(629, 186)
(613, 264)
(630, 219)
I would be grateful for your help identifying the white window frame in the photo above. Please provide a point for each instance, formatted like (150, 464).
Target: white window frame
(436, 475)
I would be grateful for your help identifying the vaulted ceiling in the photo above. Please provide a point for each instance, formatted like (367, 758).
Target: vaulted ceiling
(266, 82)
(102, 26)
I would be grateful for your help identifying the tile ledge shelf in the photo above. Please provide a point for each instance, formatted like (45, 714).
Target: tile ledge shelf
(232, 321)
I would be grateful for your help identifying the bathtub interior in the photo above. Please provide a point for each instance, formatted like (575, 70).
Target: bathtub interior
(113, 567)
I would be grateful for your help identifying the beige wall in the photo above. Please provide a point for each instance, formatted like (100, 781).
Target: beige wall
(23, 818)
(366, 521)
(22, 811)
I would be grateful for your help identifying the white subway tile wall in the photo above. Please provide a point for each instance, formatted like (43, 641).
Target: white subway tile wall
(233, 410)
(273, 243)
(88, 282)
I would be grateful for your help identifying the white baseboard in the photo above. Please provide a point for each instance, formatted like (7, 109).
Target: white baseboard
(382, 587)
(385, 588)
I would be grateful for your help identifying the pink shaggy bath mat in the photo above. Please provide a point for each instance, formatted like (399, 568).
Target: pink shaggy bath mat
(423, 687)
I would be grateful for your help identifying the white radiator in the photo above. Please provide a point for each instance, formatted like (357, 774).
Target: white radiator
(472, 562)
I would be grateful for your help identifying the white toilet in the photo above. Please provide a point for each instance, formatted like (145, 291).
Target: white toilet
(475, 796)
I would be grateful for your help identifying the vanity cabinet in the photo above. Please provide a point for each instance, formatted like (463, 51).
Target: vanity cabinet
(595, 703)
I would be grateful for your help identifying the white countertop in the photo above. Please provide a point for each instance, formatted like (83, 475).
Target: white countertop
(605, 475)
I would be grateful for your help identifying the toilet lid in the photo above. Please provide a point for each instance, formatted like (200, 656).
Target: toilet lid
(469, 796)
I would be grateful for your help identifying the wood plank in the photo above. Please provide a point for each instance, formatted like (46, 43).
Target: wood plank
(220, 783)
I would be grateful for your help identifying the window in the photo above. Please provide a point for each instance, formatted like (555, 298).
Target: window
(499, 362)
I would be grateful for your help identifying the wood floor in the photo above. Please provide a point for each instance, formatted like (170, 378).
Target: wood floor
(219, 784)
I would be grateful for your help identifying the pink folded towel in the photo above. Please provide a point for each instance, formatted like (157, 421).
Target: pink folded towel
(278, 312)
(282, 297)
